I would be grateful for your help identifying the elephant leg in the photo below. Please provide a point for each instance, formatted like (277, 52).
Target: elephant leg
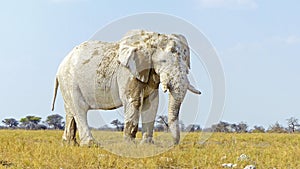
(131, 121)
(148, 113)
(132, 104)
(80, 109)
(85, 135)
(69, 135)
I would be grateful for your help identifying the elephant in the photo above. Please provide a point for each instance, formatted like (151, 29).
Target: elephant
(108, 75)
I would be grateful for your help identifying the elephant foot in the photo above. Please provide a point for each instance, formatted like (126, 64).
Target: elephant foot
(89, 143)
(129, 139)
(176, 141)
(130, 130)
(147, 139)
(69, 142)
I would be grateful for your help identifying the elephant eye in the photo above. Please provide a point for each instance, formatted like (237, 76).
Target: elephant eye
(163, 60)
(173, 50)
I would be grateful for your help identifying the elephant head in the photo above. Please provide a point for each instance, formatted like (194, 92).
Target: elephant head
(169, 57)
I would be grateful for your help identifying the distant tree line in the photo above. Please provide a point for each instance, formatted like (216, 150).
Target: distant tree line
(34, 123)
(292, 127)
(161, 124)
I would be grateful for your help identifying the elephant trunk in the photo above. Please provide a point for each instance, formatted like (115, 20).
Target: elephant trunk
(177, 83)
(173, 112)
(177, 92)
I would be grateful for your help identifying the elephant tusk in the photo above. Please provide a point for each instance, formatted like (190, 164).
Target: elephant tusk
(193, 89)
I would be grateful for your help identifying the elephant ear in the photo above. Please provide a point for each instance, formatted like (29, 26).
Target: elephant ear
(185, 49)
(137, 60)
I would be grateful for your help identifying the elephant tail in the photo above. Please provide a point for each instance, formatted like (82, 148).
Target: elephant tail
(55, 93)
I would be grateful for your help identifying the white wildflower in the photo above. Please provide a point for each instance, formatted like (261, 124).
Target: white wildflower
(243, 157)
(166, 159)
(229, 165)
(224, 157)
(250, 167)
(102, 155)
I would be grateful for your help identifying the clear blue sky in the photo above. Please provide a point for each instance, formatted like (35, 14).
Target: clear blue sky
(258, 44)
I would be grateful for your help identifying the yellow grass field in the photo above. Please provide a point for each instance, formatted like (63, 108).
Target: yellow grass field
(43, 149)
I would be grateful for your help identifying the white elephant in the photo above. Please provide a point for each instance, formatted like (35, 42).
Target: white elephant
(102, 75)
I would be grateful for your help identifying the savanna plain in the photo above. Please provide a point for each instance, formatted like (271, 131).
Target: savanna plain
(44, 149)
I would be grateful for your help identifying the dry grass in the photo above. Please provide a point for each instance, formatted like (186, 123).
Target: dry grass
(43, 149)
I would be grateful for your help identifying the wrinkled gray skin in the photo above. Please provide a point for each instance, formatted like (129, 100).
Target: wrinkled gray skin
(101, 75)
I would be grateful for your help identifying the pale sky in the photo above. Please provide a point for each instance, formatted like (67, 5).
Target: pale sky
(258, 43)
